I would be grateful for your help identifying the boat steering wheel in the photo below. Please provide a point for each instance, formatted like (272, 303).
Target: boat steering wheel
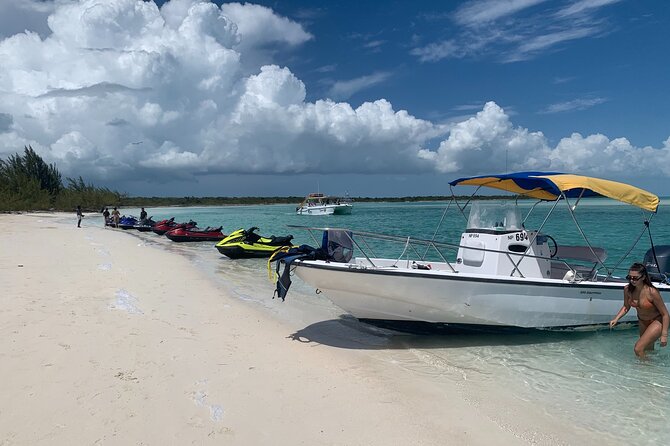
(555, 251)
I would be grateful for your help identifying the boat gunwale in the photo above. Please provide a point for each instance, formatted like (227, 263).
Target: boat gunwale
(448, 275)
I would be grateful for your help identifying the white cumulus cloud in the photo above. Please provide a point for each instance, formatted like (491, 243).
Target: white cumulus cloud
(121, 85)
(489, 143)
(259, 25)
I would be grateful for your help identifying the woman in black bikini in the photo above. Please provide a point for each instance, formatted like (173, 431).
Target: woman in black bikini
(652, 313)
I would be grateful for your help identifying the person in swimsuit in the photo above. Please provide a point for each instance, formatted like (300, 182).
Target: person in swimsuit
(116, 217)
(652, 313)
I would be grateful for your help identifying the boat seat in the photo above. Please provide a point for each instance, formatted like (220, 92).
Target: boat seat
(581, 253)
(565, 261)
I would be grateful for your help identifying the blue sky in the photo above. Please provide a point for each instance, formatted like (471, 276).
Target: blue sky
(362, 97)
(595, 72)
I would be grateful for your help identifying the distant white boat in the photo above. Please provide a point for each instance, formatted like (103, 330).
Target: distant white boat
(320, 204)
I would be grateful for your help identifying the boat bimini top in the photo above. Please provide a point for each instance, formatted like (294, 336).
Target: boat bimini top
(552, 186)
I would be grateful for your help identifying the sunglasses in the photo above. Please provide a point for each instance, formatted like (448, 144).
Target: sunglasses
(633, 278)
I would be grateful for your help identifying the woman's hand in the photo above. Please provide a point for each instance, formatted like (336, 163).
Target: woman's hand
(613, 323)
(664, 340)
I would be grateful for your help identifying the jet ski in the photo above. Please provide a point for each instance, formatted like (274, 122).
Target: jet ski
(195, 234)
(128, 222)
(161, 228)
(145, 225)
(245, 243)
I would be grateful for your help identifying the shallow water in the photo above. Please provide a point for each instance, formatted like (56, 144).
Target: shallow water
(590, 379)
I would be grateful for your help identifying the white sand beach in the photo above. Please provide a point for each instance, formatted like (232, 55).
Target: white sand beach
(108, 341)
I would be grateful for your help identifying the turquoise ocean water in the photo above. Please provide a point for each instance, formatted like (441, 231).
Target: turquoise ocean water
(589, 380)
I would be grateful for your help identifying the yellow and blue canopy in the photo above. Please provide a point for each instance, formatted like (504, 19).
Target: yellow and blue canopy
(550, 186)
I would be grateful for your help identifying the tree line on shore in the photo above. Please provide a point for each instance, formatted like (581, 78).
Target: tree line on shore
(28, 183)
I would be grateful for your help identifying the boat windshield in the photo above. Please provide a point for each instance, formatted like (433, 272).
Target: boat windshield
(497, 216)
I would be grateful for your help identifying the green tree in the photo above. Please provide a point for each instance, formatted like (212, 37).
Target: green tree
(16, 169)
(28, 183)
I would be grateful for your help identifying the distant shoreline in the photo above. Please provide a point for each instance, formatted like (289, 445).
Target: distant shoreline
(219, 201)
(183, 202)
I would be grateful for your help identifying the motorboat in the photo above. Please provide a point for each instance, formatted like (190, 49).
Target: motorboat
(320, 204)
(195, 234)
(499, 275)
(161, 228)
(246, 243)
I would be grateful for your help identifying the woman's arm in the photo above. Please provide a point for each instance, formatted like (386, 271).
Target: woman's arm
(660, 306)
(624, 309)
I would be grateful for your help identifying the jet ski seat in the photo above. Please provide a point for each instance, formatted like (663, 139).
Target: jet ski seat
(281, 241)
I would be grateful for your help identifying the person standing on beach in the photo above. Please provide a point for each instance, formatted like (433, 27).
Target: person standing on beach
(652, 313)
(143, 215)
(105, 215)
(80, 215)
(116, 216)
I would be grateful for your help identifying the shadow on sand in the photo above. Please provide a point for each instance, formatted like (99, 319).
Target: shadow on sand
(350, 333)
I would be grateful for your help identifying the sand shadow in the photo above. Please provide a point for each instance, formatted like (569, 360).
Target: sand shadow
(350, 333)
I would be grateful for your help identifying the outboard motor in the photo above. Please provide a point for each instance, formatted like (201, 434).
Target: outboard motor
(656, 271)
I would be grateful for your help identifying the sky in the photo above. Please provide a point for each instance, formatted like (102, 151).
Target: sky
(358, 97)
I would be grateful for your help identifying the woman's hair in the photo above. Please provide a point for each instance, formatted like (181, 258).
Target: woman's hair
(640, 268)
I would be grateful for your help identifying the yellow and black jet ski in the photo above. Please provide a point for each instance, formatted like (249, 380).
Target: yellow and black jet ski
(245, 243)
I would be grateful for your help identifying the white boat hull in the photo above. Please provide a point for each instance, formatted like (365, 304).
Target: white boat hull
(337, 209)
(402, 294)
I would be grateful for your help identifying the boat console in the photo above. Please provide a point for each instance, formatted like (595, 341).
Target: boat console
(496, 243)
